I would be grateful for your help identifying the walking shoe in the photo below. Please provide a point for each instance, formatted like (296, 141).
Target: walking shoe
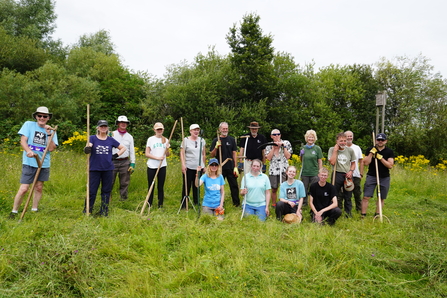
(274, 205)
(13, 215)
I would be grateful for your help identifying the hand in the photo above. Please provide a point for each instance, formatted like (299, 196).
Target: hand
(240, 166)
(379, 156)
(218, 144)
(264, 168)
(115, 156)
(292, 204)
(30, 154)
(267, 210)
(373, 150)
(87, 150)
(131, 169)
(235, 172)
(244, 191)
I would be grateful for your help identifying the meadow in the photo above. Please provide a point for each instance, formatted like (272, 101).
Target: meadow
(60, 252)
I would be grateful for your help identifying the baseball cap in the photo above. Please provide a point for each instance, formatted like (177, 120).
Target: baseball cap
(193, 126)
(158, 125)
(103, 123)
(213, 160)
(381, 136)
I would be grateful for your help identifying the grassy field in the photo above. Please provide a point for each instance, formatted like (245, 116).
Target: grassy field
(59, 252)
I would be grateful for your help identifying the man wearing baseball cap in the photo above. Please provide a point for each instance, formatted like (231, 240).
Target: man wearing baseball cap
(385, 161)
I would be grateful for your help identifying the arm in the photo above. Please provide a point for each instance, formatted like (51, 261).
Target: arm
(267, 201)
(121, 149)
(183, 160)
(333, 155)
(25, 147)
(298, 210)
(286, 150)
(361, 167)
(198, 182)
(387, 163)
(351, 170)
(51, 146)
(222, 196)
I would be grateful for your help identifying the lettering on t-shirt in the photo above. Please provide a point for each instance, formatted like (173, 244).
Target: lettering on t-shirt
(39, 138)
(102, 149)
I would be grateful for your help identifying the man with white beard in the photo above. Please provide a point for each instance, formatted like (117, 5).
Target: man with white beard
(253, 140)
(358, 171)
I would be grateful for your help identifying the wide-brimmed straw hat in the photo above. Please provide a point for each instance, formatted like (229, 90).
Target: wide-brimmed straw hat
(122, 119)
(290, 218)
(42, 110)
(254, 124)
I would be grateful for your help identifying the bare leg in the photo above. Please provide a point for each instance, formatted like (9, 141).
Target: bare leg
(377, 205)
(365, 202)
(19, 196)
(37, 194)
(274, 190)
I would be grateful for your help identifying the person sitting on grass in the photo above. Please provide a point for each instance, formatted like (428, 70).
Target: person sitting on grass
(213, 200)
(323, 200)
(291, 196)
(255, 186)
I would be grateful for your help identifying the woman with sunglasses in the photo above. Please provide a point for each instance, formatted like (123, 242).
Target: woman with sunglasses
(214, 182)
(191, 157)
(157, 148)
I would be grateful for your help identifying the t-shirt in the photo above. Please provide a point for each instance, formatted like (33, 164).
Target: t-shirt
(192, 152)
(212, 190)
(358, 155)
(37, 140)
(310, 160)
(322, 195)
(126, 140)
(157, 149)
(292, 192)
(344, 159)
(101, 156)
(228, 146)
(383, 171)
(252, 146)
(256, 185)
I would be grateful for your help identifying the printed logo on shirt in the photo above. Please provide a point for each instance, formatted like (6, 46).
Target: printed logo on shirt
(102, 149)
(313, 152)
(291, 193)
(259, 141)
(342, 159)
(39, 138)
(228, 143)
(326, 194)
(214, 187)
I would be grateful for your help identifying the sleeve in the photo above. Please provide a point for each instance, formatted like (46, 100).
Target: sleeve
(319, 152)
(268, 149)
(222, 180)
(267, 182)
(115, 143)
(132, 151)
(300, 190)
(282, 191)
(329, 153)
(213, 144)
(243, 182)
(202, 178)
(288, 146)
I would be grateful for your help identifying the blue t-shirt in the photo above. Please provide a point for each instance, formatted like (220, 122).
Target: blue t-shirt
(37, 140)
(292, 192)
(212, 190)
(256, 186)
(101, 156)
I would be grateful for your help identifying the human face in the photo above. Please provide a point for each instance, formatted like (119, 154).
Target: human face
(254, 131)
(341, 142)
(255, 167)
(195, 132)
(276, 135)
(291, 172)
(103, 129)
(213, 167)
(310, 139)
(349, 137)
(323, 176)
(159, 131)
(42, 119)
(381, 143)
(122, 125)
(224, 129)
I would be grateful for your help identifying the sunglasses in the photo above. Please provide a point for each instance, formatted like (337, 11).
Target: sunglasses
(214, 165)
(42, 116)
(196, 143)
(380, 140)
(276, 134)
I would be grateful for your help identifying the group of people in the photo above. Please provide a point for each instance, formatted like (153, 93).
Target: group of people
(112, 154)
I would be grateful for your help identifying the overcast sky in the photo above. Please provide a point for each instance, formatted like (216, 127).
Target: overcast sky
(150, 35)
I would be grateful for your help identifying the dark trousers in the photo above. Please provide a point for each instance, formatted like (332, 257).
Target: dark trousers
(105, 179)
(190, 182)
(346, 197)
(232, 182)
(330, 216)
(161, 177)
(283, 208)
(357, 193)
(122, 169)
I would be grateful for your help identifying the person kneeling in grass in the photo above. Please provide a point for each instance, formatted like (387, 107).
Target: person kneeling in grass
(213, 199)
(255, 186)
(323, 200)
(291, 196)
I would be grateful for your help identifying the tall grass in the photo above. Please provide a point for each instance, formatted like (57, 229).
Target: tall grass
(59, 252)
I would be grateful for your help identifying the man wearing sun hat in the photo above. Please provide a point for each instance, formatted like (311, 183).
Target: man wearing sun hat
(125, 163)
(34, 137)
(253, 140)
(385, 161)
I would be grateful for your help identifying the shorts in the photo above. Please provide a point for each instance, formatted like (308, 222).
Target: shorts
(370, 186)
(29, 172)
(274, 180)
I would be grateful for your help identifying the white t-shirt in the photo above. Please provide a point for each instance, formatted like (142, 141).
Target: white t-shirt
(157, 149)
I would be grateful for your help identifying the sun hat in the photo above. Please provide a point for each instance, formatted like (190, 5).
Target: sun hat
(103, 123)
(348, 184)
(42, 110)
(122, 119)
(213, 160)
(194, 126)
(158, 125)
(290, 218)
(254, 124)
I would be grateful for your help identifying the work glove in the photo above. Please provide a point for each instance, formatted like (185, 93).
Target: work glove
(301, 152)
(115, 156)
(87, 150)
(218, 144)
(264, 168)
(131, 169)
(379, 156)
(110, 134)
(240, 166)
(235, 172)
(373, 150)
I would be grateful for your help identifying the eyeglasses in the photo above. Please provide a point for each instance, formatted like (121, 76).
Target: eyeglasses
(276, 134)
(159, 129)
(214, 165)
(42, 116)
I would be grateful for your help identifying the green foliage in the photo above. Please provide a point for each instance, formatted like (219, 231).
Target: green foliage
(100, 42)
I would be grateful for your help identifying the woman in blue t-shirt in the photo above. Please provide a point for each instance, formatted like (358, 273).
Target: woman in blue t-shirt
(101, 165)
(214, 189)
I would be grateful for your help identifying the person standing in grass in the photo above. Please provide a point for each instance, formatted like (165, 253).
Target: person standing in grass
(101, 165)
(191, 157)
(342, 158)
(125, 164)
(278, 155)
(323, 200)
(291, 196)
(357, 175)
(385, 161)
(157, 149)
(311, 157)
(213, 200)
(253, 140)
(255, 186)
(34, 136)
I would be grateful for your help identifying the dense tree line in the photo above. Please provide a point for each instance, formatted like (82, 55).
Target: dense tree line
(253, 82)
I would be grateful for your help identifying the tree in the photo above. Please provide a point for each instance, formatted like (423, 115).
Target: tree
(100, 42)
